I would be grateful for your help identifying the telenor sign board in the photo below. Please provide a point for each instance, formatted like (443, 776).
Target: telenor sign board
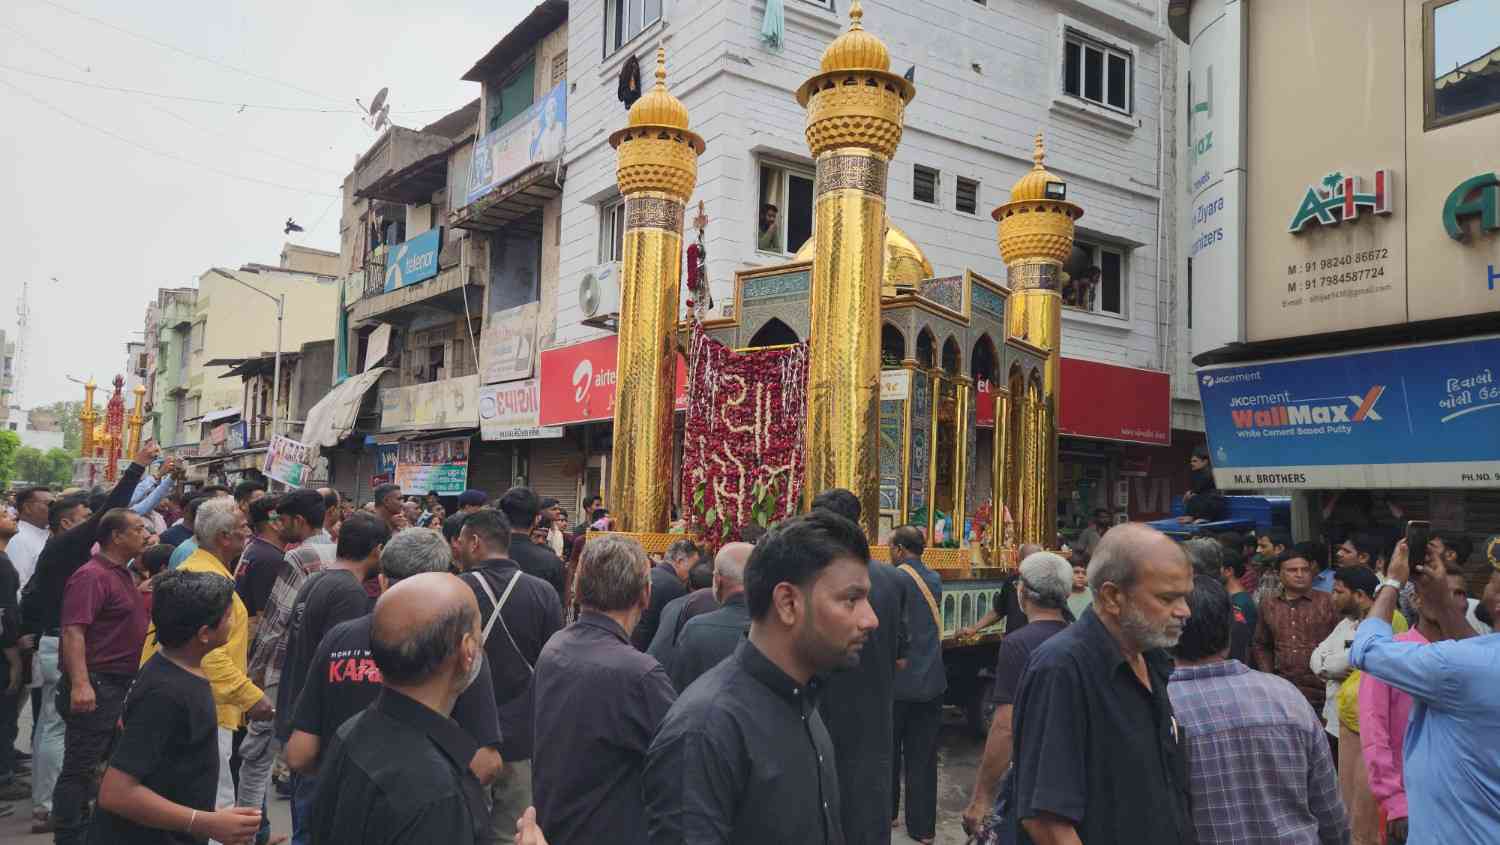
(414, 260)
(1412, 416)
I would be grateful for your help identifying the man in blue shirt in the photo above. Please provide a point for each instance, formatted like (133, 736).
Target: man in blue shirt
(1452, 774)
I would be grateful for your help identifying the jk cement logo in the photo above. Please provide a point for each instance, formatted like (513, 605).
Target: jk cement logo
(1350, 409)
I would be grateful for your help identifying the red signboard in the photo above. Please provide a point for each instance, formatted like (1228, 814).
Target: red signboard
(578, 382)
(1115, 403)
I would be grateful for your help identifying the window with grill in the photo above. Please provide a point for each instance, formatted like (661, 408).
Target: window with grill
(559, 67)
(1095, 72)
(783, 220)
(1096, 278)
(624, 20)
(966, 195)
(924, 184)
(612, 231)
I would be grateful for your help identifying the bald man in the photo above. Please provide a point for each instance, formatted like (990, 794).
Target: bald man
(398, 772)
(1098, 756)
(707, 639)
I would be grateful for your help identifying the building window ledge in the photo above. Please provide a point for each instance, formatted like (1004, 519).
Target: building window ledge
(610, 67)
(1094, 115)
(1116, 322)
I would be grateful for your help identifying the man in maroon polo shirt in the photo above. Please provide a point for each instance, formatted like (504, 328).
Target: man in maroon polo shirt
(103, 629)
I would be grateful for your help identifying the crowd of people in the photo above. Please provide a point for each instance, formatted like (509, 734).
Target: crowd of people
(494, 674)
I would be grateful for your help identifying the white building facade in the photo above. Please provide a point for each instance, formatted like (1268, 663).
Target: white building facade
(1098, 78)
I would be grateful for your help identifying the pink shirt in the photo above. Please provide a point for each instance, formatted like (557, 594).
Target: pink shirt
(1383, 714)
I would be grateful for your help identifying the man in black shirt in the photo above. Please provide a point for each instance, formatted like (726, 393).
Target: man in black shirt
(598, 704)
(1043, 582)
(709, 638)
(529, 613)
(920, 686)
(329, 596)
(11, 670)
(264, 556)
(521, 506)
(1008, 606)
(743, 756)
(342, 678)
(857, 705)
(1098, 754)
(398, 771)
(668, 583)
(162, 778)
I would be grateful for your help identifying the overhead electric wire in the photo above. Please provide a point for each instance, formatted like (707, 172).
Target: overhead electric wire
(118, 89)
(240, 140)
(202, 58)
(152, 150)
(37, 45)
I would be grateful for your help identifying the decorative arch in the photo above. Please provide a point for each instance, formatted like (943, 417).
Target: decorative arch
(773, 333)
(926, 348)
(984, 362)
(952, 356)
(892, 345)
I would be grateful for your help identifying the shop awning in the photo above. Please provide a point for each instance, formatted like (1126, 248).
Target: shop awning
(215, 416)
(333, 417)
(1110, 402)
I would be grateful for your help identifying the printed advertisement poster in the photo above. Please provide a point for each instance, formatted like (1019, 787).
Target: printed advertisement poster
(578, 382)
(534, 136)
(510, 412)
(288, 461)
(508, 346)
(433, 465)
(414, 261)
(1411, 416)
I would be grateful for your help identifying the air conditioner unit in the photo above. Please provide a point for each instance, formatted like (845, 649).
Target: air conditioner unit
(599, 292)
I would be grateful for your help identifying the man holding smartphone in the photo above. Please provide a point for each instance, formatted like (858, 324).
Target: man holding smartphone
(1452, 776)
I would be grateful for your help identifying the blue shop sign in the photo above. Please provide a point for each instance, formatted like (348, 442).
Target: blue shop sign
(414, 261)
(1420, 416)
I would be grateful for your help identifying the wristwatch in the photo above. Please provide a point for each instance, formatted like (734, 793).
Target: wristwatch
(1390, 582)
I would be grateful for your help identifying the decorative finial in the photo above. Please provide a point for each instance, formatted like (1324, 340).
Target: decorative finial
(661, 66)
(1039, 152)
(856, 15)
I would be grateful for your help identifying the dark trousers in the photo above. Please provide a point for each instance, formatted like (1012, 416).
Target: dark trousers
(915, 755)
(303, 790)
(85, 745)
(10, 714)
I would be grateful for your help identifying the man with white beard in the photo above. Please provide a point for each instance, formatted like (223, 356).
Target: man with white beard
(1098, 756)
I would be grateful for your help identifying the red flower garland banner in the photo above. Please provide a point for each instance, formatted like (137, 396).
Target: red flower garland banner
(744, 439)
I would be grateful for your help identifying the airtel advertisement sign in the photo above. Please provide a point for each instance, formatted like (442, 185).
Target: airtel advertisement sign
(578, 382)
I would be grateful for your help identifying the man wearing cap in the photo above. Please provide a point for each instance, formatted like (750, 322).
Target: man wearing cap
(472, 500)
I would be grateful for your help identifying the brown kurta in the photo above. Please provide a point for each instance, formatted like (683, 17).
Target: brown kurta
(1287, 633)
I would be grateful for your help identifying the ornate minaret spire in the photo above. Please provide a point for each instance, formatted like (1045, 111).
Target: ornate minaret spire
(657, 170)
(855, 112)
(1036, 236)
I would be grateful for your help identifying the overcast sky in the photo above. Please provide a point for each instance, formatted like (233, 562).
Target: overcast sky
(113, 222)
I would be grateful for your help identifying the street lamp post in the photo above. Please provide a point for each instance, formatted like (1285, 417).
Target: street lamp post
(280, 301)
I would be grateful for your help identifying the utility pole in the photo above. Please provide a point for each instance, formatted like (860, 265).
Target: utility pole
(280, 300)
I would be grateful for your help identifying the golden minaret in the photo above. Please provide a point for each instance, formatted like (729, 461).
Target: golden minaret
(1036, 237)
(855, 109)
(657, 170)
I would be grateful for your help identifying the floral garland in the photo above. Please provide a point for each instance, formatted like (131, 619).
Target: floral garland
(745, 437)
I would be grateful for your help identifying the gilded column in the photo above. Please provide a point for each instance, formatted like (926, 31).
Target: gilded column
(133, 443)
(1035, 232)
(999, 482)
(86, 418)
(657, 170)
(960, 456)
(855, 110)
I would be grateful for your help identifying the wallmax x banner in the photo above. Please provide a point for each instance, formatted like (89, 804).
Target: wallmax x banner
(1411, 416)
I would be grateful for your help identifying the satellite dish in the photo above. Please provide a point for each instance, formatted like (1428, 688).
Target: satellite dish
(379, 100)
(383, 118)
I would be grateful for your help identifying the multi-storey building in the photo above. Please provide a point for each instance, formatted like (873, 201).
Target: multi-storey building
(169, 325)
(1345, 306)
(1098, 77)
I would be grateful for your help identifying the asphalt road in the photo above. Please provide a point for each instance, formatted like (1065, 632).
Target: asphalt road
(958, 758)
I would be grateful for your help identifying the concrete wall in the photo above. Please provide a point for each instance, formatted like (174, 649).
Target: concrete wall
(310, 260)
(239, 323)
(985, 84)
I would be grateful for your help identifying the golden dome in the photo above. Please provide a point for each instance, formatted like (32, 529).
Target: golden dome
(905, 264)
(1033, 186)
(658, 107)
(856, 49)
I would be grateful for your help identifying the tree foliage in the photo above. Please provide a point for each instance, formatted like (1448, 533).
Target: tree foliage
(53, 467)
(10, 444)
(67, 420)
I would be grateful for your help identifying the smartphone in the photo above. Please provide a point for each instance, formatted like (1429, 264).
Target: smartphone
(1418, 531)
